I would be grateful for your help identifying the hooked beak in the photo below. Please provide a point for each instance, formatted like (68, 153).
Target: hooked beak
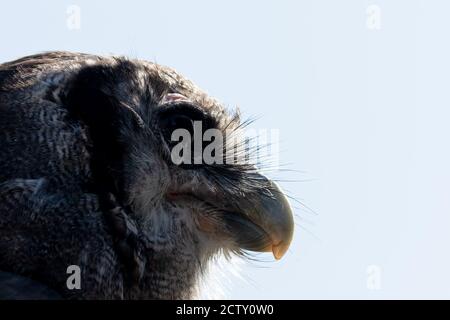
(265, 224)
(260, 220)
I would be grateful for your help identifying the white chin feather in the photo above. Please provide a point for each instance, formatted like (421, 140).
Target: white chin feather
(219, 278)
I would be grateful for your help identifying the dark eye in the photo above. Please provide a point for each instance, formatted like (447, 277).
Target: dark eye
(188, 117)
(182, 116)
(179, 121)
(171, 121)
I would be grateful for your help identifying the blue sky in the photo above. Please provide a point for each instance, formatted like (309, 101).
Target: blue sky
(361, 101)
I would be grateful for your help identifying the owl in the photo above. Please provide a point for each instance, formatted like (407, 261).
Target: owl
(89, 180)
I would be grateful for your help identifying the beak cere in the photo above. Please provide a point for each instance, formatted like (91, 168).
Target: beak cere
(267, 225)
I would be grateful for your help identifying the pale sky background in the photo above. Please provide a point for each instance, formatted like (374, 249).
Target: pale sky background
(363, 114)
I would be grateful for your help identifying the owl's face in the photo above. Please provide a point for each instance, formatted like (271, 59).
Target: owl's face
(191, 198)
(226, 205)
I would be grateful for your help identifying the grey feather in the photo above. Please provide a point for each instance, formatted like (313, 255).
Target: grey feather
(15, 287)
(86, 179)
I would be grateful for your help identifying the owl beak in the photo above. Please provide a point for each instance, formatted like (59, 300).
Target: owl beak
(260, 221)
(267, 225)
(274, 215)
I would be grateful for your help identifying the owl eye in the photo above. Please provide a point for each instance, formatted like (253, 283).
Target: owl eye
(185, 116)
(181, 116)
(179, 121)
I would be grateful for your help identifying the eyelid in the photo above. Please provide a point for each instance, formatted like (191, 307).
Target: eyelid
(171, 97)
(186, 108)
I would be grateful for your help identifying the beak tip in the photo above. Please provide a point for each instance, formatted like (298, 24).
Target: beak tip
(279, 250)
